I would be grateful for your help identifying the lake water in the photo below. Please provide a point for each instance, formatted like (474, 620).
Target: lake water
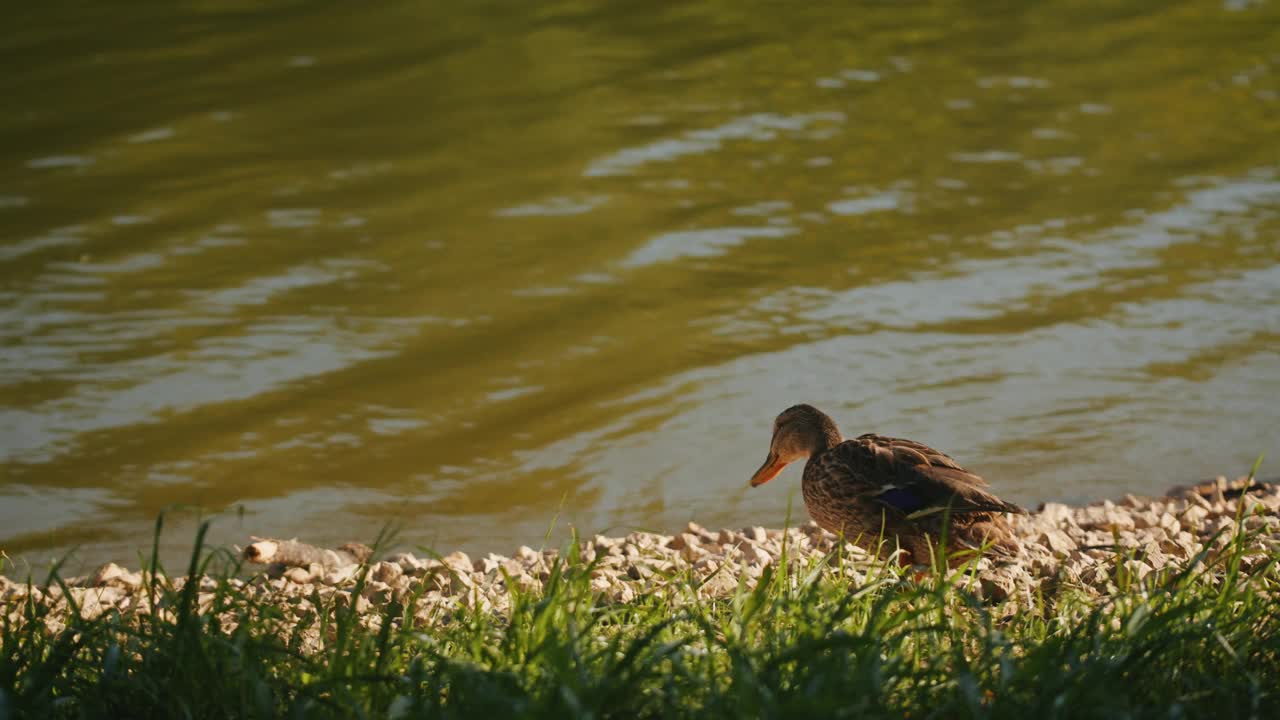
(491, 270)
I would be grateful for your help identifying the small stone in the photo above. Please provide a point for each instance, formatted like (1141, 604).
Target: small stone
(1138, 568)
(1043, 563)
(1144, 519)
(683, 541)
(1195, 498)
(107, 574)
(664, 567)
(1256, 522)
(1217, 495)
(1057, 541)
(1253, 505)
(700, 532)
(1194, 516)
(1057, 514)
(461, 582)
(1272, 500)
(997, 585)
(1156, 558)
(386, 572)
(378, 593)
(1169, 546)
(719, 585)
(692, 552)
(1117, 520)
(706, 564)
(407, 561)
(93, 602)
(342, 575)
(458, 561)
(753, 555)
(526, 582)
(298, 575)
(623, 593)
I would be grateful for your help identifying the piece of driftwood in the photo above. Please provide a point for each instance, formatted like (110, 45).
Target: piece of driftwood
(291, 553)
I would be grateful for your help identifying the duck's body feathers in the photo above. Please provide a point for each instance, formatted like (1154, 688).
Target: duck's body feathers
(875, 488)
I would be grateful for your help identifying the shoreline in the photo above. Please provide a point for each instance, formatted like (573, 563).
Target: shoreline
(1165, 607)
(1065, 548)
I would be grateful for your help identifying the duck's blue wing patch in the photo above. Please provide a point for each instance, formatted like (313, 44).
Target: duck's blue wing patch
(901, 499)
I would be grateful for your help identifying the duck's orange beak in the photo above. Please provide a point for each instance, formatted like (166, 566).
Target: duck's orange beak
(769, 470)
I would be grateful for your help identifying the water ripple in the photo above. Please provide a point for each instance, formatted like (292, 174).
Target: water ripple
(760, 127)
(711, 242)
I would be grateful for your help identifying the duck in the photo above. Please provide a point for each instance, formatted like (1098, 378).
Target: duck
(890, 496)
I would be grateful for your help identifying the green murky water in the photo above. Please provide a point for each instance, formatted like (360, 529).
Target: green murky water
(477, 268)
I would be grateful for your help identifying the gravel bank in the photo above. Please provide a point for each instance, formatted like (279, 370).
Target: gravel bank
(1083, 548)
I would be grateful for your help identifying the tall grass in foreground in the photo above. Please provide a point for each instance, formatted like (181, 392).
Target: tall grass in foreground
(1199, 642)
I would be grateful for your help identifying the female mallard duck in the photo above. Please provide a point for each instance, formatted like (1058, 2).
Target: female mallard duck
(874, 488)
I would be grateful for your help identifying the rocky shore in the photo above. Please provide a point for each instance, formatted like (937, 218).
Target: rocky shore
(1090, 549)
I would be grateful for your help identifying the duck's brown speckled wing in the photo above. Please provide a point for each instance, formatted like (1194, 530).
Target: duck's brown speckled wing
(909, 477)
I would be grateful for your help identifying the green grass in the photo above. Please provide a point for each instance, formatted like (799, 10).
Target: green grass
(1198, 642)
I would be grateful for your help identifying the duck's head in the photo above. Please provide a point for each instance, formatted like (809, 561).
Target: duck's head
(798, 432)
